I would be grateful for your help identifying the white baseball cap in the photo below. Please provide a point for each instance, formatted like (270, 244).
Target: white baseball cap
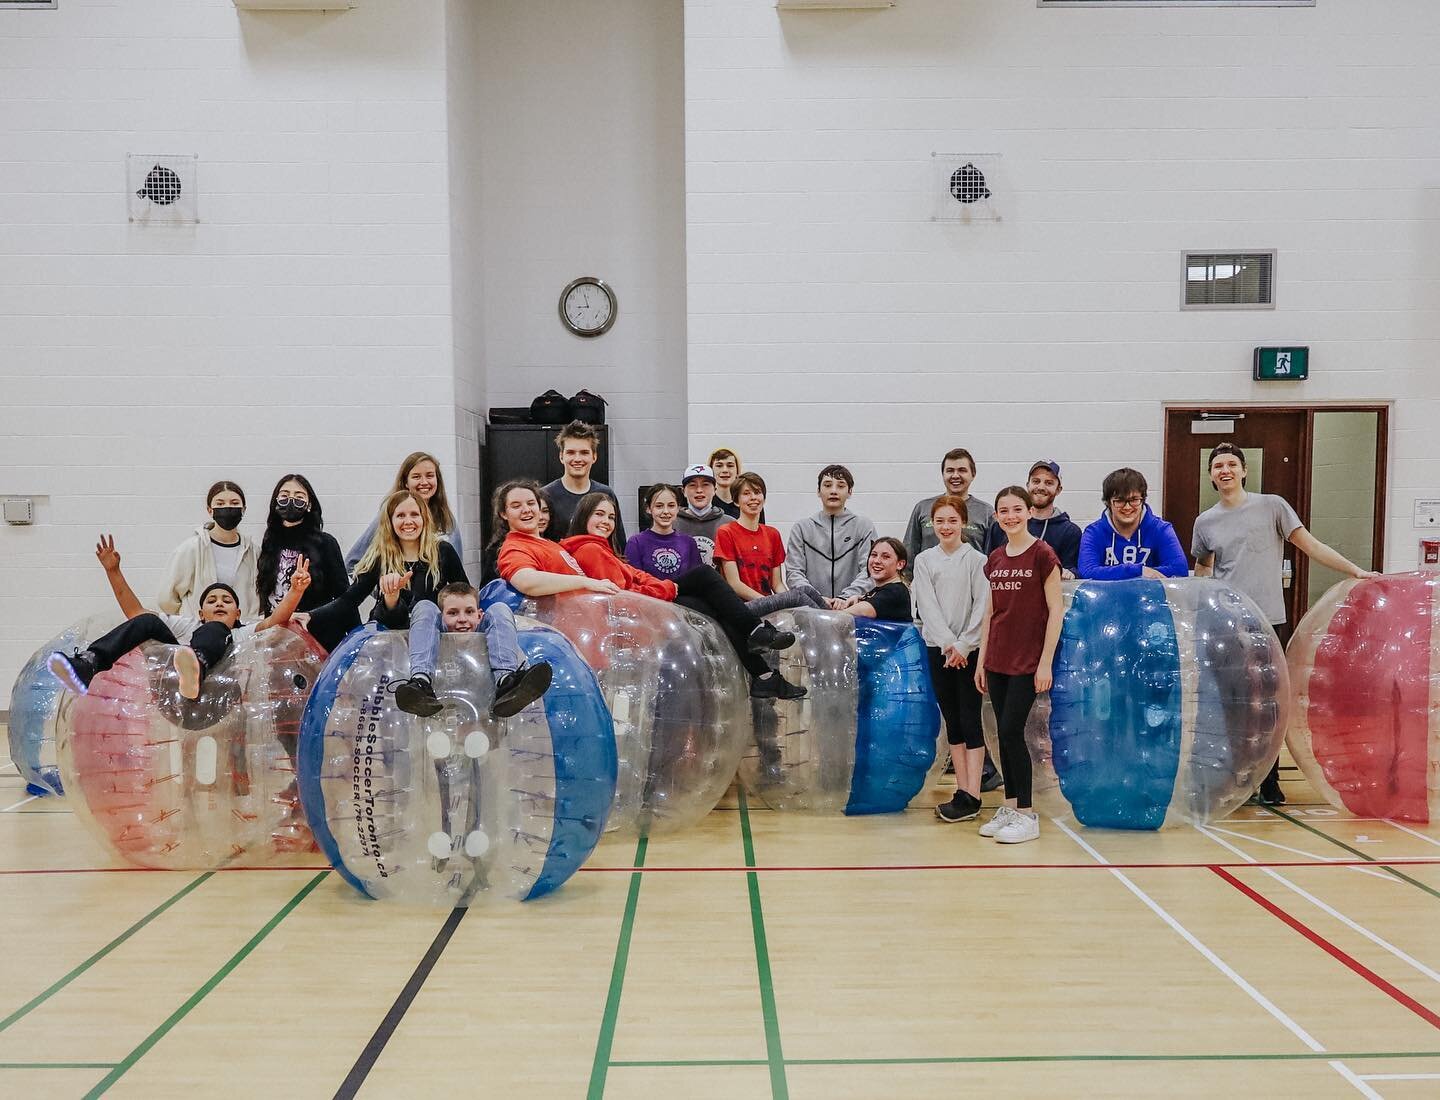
(698, 470)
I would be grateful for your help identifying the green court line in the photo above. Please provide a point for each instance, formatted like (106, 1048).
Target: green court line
(779, 1085)
(1354, 851)
(1003, 1059)
(605, 1043)
(57, 1065)
(125, 1064)
(40, 998)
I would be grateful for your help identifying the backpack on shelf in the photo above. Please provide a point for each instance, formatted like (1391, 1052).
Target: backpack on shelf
(588, 408)
(551, 407)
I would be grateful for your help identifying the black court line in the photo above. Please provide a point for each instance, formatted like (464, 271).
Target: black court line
(376, 1046)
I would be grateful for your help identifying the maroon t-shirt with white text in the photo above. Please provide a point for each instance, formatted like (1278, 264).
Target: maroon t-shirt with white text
(1018, 612)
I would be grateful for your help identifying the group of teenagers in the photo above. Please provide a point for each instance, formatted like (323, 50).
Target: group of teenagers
(981, 582)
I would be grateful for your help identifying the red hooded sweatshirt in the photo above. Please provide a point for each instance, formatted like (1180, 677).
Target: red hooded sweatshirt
(600, 563)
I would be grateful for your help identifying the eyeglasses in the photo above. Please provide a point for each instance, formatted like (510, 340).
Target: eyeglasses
(1128, 502)
(286, 498)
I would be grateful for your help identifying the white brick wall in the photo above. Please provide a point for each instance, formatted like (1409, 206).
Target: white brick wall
(830, 320)
(580, 163)
(141, 364)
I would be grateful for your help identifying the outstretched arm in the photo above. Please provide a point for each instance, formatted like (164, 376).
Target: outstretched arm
(299, 582)
(1317, 551)
(109, 559)
(537, 582)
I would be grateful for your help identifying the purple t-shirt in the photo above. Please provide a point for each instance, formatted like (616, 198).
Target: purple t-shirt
(668, 557)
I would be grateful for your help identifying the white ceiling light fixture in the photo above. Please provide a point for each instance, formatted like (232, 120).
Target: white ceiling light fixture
(833, 5)
(294, 5)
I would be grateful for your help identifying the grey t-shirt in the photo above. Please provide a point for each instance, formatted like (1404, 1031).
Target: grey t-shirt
(920, 532)
(1248, 542)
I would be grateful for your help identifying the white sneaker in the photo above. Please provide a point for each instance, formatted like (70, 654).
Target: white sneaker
(997, 822)
(1020, 828)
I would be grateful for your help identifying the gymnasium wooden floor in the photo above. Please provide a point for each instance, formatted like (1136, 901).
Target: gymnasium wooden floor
(1295, 953)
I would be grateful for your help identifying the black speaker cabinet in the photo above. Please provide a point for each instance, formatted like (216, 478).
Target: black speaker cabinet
(528, 450)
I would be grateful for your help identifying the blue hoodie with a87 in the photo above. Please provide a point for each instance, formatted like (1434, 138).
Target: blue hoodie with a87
(1106, 555)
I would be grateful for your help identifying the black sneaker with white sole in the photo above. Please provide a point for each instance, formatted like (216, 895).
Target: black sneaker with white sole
(417, 696)
(75, 671)
(516, 690)
(963, 807)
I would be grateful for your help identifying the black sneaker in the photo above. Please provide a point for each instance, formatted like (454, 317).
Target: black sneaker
(766, 636)
(774, 686)
(963, 807)
(75, 671)
(518, 689)
(1270, 792)
(416, 696)
(990, 777)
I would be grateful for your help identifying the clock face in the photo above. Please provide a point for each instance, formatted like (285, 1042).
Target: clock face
(587, 306)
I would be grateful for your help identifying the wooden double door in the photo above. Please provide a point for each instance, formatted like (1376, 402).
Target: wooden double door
(1327, 461)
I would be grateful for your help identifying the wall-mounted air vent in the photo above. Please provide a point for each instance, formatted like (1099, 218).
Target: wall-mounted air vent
(964, 186)
(1229, 280)
(162, 188)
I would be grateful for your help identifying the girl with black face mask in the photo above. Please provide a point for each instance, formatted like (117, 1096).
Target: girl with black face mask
(295, 528)
(216, 552)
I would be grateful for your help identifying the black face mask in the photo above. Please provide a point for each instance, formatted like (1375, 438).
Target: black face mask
(227, 519)
(292, 510)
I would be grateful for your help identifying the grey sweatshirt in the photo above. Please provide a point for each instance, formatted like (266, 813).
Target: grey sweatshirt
(920, 535)
(702, 528)
(951, 593)
(829, 553)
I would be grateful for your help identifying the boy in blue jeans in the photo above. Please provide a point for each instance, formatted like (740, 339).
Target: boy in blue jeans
(457, 611)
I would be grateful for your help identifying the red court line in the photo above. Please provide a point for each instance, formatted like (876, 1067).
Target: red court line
(1423, 861)
(1391, 991)
(1417, 861)
(158, 870)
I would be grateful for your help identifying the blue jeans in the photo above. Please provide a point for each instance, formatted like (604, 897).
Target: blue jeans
(497, 624)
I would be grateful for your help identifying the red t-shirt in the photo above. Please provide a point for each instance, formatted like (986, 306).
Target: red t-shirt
(1018, 614)
(520, 551)
(755, 553)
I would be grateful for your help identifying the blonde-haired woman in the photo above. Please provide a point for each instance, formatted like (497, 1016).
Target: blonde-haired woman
(419, 475)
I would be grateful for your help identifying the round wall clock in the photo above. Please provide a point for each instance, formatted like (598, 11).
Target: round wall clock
(587, 306)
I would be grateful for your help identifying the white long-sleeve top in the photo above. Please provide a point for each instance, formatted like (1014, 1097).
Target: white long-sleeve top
(951, 593)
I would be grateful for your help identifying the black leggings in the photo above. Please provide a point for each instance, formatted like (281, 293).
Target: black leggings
(706, 591)
(959, 699)
(1012, 697)
(210, 641)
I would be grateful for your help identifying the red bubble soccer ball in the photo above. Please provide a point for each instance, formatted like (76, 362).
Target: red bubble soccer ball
(1365, 669)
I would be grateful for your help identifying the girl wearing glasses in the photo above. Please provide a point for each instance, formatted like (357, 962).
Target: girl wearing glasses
(1129, 540)
(295, 529)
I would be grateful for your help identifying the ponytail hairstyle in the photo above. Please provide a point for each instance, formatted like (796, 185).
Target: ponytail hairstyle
(277, 535)
(385, 550)
(498, 527)
(441, 517)
(580, 521)
(1015, 491)
(224, 487)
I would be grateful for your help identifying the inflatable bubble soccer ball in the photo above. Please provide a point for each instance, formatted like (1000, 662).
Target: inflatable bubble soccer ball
(1169, 702)
(458, 808)
(676, 691)
(1365, 665)
(35, 706)
(863, 738)
(179, 784)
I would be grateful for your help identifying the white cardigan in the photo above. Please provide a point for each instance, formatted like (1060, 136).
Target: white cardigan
(192, 570)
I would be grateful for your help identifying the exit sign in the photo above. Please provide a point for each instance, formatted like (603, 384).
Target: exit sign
(1282, 364)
